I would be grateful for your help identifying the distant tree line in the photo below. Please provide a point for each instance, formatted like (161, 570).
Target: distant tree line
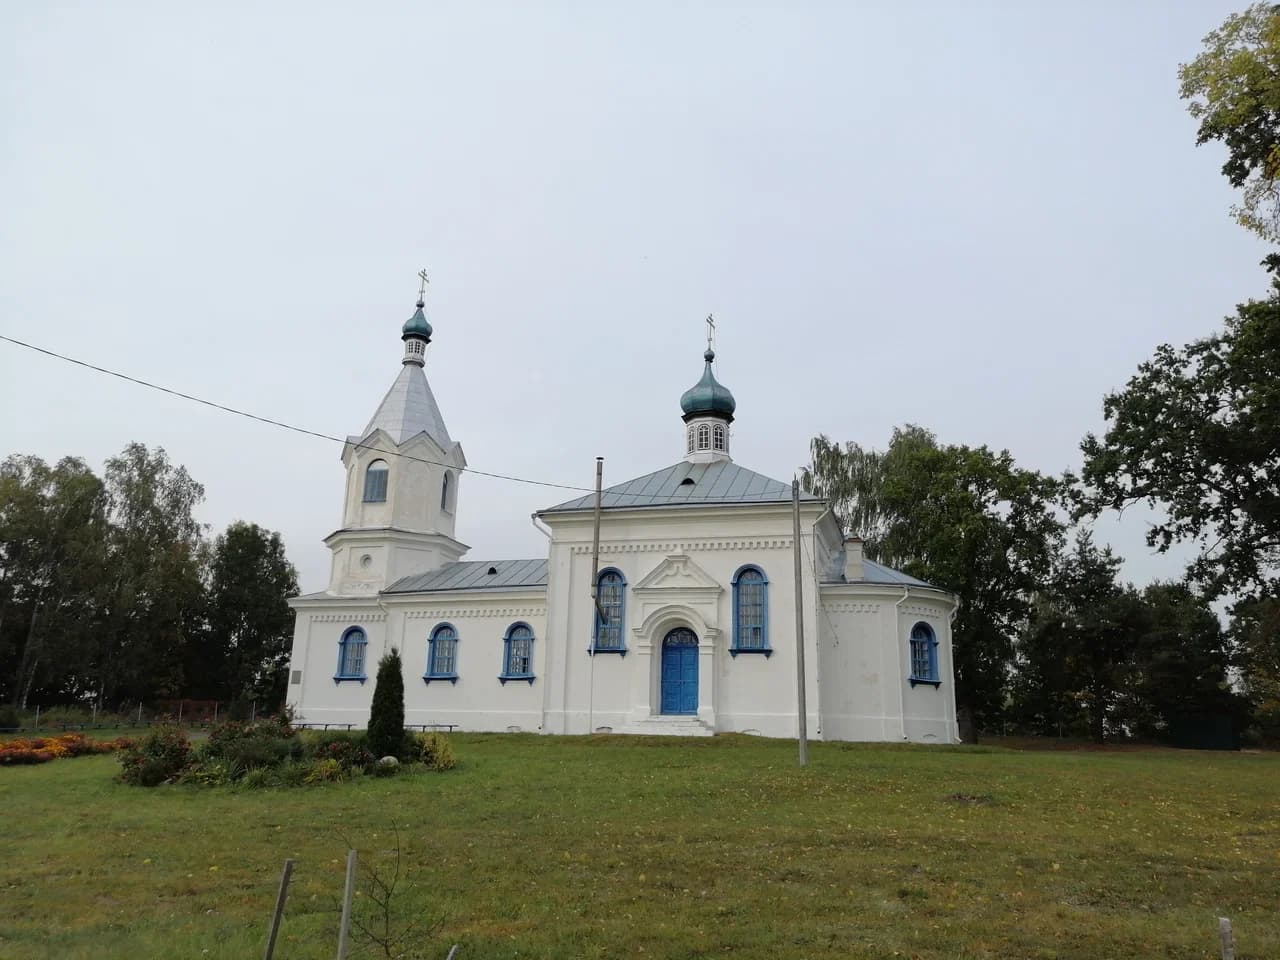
(1047, 637)
(111, 592)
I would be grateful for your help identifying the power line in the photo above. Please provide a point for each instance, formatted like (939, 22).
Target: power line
(636, 499)
(277, 423)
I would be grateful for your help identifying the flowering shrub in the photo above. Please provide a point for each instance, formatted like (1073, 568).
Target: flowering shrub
(43, 749)
(160, 756)
(349, 751)
(434, 751)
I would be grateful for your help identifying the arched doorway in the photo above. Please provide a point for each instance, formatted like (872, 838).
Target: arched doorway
(679, 685)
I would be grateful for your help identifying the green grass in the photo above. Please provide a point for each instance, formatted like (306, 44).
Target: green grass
(612, 847)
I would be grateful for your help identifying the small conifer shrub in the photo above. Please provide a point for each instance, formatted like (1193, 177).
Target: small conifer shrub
(386, 715)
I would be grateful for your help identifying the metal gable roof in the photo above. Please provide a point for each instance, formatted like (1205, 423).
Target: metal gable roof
(872, 572)
(688, 484)
(475, 575)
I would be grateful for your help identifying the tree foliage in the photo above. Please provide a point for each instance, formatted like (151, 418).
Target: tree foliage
(250, 625)
(386, 713)
(963, 518)
(109, 591)
(1234, 91)
(1196, 432)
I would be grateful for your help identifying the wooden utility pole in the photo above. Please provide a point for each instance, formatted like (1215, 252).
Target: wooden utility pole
(595, 601)
(796, 546)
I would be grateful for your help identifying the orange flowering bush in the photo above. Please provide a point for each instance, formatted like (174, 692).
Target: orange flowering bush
(43, 749)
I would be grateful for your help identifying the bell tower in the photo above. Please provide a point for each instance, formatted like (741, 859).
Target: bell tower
(403, 480)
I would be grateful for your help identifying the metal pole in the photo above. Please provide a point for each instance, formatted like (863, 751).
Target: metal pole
(275, 918)
(595, 601)
(799, 605)
(345, 926)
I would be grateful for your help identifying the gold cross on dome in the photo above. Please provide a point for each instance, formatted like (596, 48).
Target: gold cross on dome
(422, 287)
(711, 330)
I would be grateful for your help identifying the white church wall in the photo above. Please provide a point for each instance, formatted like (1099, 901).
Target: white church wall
(928, 710)
(315, 696)
(477, 701)
(694, 554)
(865, 663)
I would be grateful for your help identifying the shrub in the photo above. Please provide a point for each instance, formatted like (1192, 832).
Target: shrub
(263, 743)
(294, 773)
(386, 714)
(215, 772)
(324, 771)
(259, 778)
(435, 751)
(158, 757)
(350, 750)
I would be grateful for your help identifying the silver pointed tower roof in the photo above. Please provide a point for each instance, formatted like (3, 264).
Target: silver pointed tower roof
(409, 408)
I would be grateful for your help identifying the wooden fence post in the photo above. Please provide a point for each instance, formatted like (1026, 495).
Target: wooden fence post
(1224, 933)
(347, 894)
(275, 918)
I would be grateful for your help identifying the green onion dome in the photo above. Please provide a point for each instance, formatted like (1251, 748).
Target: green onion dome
(708, 397)
(417, 326)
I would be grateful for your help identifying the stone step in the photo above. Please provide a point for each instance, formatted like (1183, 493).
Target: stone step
(670, 727)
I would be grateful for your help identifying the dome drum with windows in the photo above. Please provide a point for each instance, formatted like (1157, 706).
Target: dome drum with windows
(708, 408)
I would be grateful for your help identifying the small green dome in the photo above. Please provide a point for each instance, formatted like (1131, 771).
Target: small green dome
(417, 326)
(708, 396)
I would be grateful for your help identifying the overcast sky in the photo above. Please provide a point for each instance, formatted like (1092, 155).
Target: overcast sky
(978, 217)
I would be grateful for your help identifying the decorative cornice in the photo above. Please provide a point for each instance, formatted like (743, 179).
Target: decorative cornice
(919, 610)
(347, 617)
(474, 613)
(852, 607)
(685, 546)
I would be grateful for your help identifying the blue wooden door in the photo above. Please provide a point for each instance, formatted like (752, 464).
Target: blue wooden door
(680, 673)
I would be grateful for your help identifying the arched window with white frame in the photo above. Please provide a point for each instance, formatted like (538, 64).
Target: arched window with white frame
(718, 437)
(704, 436)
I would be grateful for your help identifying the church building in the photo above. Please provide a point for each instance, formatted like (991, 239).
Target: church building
(691, 627)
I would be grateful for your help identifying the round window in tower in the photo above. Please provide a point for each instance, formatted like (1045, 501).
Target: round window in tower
(366, 561)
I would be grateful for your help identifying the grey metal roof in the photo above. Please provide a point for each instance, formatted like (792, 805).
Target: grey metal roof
(721, 481)
(475, 575)
(408, 409)
(873, 572)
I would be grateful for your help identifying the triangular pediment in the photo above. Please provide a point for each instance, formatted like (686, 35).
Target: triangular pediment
(677, 572)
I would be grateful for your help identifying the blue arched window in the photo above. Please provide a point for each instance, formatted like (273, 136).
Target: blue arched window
(442, 654)
(517, 653)
(351, 655)
(375, 482)
(750, 612)
(611, 591)
(924, 655)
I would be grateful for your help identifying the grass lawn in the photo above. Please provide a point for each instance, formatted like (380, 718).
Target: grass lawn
(610, 847)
